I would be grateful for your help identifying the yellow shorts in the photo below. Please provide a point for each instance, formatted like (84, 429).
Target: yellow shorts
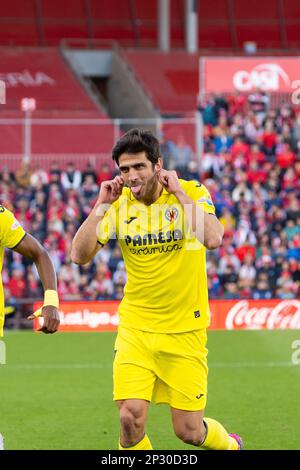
(165, 368)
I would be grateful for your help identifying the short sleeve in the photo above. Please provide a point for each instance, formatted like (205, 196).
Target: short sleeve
(200, 194)
(11, 231)
(107, 228)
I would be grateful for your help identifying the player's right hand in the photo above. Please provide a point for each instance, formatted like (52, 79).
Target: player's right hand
(51, 319)
(111, 190)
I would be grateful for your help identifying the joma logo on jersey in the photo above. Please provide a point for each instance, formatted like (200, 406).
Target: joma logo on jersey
(171, 214)
(154, 238)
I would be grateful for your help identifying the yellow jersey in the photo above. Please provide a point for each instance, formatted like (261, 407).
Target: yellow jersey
(166, 289)
(11, 234)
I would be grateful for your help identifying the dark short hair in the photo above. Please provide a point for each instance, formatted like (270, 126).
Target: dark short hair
(136, 141)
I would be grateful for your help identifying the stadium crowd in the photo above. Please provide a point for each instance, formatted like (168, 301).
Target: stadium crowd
(251, 166)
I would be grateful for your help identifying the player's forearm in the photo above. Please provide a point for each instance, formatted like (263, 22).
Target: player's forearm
(33, 250)
(46, 270)
(206, 227)
(85, 243)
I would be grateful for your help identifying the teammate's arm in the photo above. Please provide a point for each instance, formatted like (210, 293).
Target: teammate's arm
(207, 228)
(30, 248)
(85, 243)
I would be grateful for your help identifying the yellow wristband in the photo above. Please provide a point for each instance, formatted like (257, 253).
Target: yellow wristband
(50, 299)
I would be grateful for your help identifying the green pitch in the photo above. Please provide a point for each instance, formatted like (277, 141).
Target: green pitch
(56, 391)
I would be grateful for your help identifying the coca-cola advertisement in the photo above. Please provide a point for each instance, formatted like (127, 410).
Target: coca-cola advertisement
(225, 315)
(255, 314)
(269, 74)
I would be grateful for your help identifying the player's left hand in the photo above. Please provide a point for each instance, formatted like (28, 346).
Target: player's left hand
(169, 180)
(51, 319)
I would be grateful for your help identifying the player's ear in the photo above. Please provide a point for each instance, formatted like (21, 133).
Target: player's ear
(158, 166)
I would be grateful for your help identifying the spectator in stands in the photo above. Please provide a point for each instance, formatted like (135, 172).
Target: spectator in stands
(166, 148)
(222, 141)
(291, 230)
(269, 138)
(101, 287)
(229, 260)
(255, 154)
(212, 164)
(237, 104)
(89, 189)
(247, 273)
(231, 291)
(55, 173)
(182, 155)
(209, 110)
(23, 175)
(10, 310)
(262, 291)
(6, 176)
(286, 287)
(105, 174)
(119, 277)
(16, 284)
(214, 284)
(228, 221)
(71, 178)
(285, 158)
(192, 172)
(291, 204)
(252, 130)
(256, 173)
(90, 173)
(241, 193)
(39, 177)
(259, 103)
(34, 290)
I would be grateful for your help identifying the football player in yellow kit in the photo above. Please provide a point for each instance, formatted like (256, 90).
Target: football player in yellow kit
(163, 225)
(13, 236)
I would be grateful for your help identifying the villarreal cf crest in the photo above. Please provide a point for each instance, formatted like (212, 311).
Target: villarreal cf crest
(171, 214)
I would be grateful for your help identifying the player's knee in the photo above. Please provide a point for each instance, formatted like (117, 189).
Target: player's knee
(190, 435)
(131, 420)
(127, 421)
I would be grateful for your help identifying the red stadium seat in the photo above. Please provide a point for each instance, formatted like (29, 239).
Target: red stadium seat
(55, 9)
(19, 34)
(174, 84)
(42, 74)
(18, 9)
(222, 24)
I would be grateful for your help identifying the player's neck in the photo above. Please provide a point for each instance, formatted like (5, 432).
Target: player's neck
(153, 195)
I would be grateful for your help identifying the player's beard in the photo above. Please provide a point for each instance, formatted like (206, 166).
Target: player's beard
(148, 190)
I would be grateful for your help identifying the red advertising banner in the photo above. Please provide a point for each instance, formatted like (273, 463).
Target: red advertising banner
(255, 314)
(86, 316)
(270, 74)
(225, 315)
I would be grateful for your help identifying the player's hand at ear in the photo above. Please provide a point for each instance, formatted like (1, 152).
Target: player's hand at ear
(111, 190)
(169, 180)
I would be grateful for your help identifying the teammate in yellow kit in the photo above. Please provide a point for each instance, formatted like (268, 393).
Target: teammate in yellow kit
(164, 226)
(14, 237)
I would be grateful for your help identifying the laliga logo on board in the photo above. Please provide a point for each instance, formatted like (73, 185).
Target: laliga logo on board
(266, 77)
